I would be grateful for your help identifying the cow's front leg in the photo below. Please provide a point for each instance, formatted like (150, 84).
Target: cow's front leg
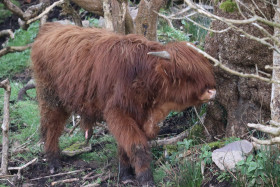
(126, 171)
(134, 143)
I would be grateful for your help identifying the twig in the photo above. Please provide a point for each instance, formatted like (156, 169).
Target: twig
(92, 177)
(7, 32)
(267, 129)
(222, 66)
(64, 181)
(46, 11)
(24, 166)
(60, 174)
(12, 49)
(103, 178)
(72, 130)
(172, 140)
(5, 126)
(22, 91)
(232, 24)
(201, 121)
(88, 175)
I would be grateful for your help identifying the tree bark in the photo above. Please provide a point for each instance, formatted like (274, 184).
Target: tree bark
(239, 100)
(5, 127)
(146, 20)
(275, 92)
(115, 15)
(94, 6)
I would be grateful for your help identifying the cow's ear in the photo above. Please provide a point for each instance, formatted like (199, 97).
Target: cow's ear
(161, 54)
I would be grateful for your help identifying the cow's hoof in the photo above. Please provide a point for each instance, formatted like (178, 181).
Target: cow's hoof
(54, 165)
(145, 178)
(126, 175)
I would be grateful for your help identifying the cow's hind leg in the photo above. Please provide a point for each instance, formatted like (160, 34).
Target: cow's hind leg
(134, 143)
(87, 124)
(52, 124)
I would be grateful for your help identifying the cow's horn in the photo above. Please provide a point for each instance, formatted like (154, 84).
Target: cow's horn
(162, 54)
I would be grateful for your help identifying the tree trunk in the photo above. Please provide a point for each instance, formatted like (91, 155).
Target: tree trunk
(115, 15)
(146, 20)
(239, 100)
(275, 92)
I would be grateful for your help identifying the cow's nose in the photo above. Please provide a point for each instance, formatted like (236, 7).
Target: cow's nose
(212, 93)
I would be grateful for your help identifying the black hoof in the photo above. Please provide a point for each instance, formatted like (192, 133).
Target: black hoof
(145, 179)
(126, 173)
(54, 165)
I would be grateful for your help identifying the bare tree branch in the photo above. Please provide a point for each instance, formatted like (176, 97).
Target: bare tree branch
(46, 11)
(8, 32)
(222, 66)
(12, 49)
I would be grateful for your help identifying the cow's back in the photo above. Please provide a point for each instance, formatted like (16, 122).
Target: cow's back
(64, 58)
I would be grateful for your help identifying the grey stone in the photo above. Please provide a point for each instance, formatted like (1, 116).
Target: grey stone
(227, 157)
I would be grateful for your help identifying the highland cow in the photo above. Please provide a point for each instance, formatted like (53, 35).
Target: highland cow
(127, 81)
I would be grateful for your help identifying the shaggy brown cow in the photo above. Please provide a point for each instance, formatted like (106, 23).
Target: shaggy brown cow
(102, 75)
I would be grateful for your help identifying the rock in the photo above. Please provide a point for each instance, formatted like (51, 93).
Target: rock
(101, 22)
(85, 23)
(228, 156)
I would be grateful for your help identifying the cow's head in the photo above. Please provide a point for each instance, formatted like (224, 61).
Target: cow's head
(187, 72)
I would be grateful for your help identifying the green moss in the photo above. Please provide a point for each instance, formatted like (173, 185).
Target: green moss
(171, 149)
(75, 146)
(217, 144)
(228, 6)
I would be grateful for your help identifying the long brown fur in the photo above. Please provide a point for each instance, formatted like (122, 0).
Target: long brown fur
(102, 75)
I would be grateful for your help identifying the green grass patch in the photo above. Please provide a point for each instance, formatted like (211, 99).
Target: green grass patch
(168, 34)
(13, 63)
(198, 33)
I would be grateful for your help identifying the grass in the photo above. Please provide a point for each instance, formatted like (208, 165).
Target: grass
(168, 34)
(198, 33)
(13, 63)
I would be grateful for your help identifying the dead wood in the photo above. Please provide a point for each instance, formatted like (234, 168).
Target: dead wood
(22, 167)
(5, 126)
(172, 140)
(74, 127)
(7, 32)
(22, 91)
(31, 12)
(12, 49)
(64, 181)
(46, 11)
(68, 9)
(103, 178)
(60, 174)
